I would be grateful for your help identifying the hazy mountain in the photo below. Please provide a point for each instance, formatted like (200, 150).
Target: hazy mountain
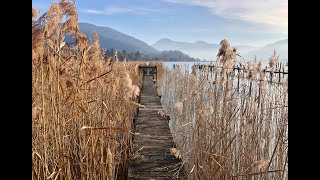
(199, 49)
(110, 38)
(265, 52)
(174, 55)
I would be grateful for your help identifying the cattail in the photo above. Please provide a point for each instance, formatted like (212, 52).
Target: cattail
(179, 107)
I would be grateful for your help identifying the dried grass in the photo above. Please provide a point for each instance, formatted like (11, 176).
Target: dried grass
(82, 104)
(229, 119)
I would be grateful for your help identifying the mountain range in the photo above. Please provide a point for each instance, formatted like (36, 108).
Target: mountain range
(207, 51)
(110, 38)
(265, 52)
(199, 49)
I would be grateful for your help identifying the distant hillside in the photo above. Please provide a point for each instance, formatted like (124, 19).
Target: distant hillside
(163, 56)
(129, 47)
(173, 55)
(265, 52)
(110, 38)
(199, 49)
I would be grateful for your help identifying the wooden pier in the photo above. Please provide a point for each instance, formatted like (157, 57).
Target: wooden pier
(153, 140)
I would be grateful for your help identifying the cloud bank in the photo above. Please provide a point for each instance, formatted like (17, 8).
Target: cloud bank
(273, 13)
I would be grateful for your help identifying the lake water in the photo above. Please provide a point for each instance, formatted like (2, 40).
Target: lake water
(170, 64)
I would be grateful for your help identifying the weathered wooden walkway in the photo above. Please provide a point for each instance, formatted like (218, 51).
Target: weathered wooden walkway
(153, 140)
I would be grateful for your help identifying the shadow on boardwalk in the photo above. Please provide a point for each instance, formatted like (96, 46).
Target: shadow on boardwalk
(153, 140)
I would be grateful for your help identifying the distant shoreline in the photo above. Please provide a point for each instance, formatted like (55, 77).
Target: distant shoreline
(186, 61)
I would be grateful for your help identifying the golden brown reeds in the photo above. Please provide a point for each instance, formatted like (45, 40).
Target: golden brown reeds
(273, 61)
(35, 13)
(81, 122)
(227, 121)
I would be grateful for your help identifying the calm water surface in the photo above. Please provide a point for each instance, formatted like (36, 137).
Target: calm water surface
(170, 64)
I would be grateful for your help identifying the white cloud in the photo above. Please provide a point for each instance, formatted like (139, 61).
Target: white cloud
(270, 12)
(118, 10)
(93, 11)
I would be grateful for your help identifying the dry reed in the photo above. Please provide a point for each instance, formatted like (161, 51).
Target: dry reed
(232, 122)
(82, 104)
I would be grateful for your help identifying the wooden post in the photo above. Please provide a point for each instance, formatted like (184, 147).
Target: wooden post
(259, 96)
(279, 75)
(250, 86)
(238, 84)
(271, 74)
(283, 70)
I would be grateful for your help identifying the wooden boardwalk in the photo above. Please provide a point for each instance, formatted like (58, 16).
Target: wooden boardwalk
(153, 140)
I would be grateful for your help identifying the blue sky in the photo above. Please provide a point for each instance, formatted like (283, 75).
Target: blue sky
(246, 22)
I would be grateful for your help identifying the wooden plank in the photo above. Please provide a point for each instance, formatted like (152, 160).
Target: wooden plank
(152, 141)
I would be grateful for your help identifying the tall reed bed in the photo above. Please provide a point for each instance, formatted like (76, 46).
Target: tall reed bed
(83, 102)
(229, 124)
